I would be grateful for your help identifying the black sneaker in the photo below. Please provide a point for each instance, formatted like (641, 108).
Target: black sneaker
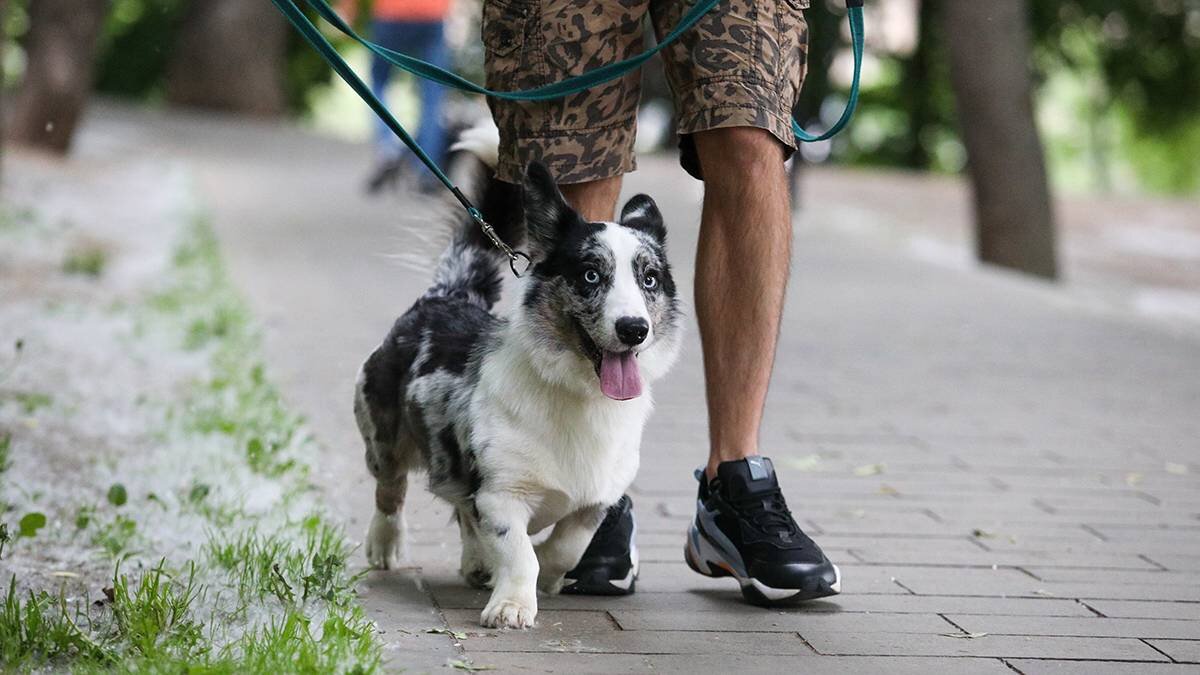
(743, 529)
(610, 564)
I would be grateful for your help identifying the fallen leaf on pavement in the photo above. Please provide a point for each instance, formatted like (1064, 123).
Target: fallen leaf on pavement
(869, 470)
(806, 463)
(446, 631)
(463, 664)
(964, 636)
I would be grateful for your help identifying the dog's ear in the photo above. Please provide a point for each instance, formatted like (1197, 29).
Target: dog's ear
(546, 212)
(641, 213)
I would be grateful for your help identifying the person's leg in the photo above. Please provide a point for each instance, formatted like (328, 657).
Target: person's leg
(388, 34)
(735, 125)
(431, 130)
(594, 200)
(742, 266)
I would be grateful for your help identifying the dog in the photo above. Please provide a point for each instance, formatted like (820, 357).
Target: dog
(532, 419)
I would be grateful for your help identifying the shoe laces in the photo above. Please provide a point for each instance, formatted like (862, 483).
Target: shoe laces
(768, 511)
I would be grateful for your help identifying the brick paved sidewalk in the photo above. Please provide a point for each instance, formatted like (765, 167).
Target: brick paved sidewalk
(1008, 480)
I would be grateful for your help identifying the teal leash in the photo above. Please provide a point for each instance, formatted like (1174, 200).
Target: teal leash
(291, 10)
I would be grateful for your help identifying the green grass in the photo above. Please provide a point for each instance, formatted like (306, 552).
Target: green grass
(117, 536)
(5, 448)
(44, 628)
(270, 590)
(88, 261)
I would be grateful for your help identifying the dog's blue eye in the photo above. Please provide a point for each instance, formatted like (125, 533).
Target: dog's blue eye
(591, 276)
(650, 281)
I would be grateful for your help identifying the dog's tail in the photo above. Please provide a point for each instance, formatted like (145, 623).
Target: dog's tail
(472, 266)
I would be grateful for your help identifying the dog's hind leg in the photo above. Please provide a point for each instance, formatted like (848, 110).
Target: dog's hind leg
(388, 461)
(385, 539)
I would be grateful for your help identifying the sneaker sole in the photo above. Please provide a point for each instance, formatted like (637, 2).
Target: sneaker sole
(595, 586)
(706, 559)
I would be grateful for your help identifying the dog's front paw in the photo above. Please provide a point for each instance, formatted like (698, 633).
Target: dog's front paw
(385, 541)
(550, 584)
(508, 613)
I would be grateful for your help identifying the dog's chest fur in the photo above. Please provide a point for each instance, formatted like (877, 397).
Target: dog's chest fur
(565, 448)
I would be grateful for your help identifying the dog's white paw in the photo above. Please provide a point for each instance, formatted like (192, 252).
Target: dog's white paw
(385, 541)
(508, 612)
(550, 584)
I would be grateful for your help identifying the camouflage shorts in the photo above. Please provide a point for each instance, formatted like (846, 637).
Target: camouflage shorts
(741, 66)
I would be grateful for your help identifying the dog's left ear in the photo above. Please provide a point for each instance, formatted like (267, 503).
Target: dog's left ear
(546, 212)
(641, 213)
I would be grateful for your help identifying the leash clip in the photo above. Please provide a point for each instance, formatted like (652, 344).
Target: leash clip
(514, 256)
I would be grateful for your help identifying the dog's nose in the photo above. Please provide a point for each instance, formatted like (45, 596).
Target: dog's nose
(632, 330)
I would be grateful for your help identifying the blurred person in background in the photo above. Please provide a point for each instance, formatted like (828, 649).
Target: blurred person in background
(417, 28)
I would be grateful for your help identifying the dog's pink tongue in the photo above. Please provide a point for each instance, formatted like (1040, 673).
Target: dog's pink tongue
(619, 378)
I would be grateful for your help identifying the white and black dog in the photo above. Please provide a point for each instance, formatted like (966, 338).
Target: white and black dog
(530, 420)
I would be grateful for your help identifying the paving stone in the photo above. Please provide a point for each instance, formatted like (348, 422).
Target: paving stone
(1177, 563)
(950, 580)
(885, 644)
(772, 621)
(1081, 627)
(970, 555)
(647, 642)
(1182, 651)
(719, 663)
(1157, 577)
(1146, 609)
(1049, 667)
(1133, 591)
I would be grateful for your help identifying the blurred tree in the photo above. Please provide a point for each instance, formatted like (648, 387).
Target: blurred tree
(989, 47)
(60, 47)
(1146, 57)
(138, 39)
(230, 55)
(3, 46)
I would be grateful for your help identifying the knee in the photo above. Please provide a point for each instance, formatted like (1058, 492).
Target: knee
(739, 151)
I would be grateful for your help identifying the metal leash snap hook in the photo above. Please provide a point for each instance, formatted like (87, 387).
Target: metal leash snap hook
(512, 263)
(490, 233)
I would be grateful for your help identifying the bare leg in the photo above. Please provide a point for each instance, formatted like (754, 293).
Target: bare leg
(742, 266)
(595, 200)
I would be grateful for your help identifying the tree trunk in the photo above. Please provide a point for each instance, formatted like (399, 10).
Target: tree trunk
(58, 78)
(230, 56)
(989, 47)
(3, 42)
(916, 83)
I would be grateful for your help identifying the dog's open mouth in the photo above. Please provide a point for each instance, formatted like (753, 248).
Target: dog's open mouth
(619, 376)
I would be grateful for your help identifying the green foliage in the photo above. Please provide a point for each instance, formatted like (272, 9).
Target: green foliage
(284, 566)
(205, 620)
(43, 628)
(88, 261)
(30, 524)
(5, 448)
(136, 48)
(117, 495)
(154, 618)
(117, 536)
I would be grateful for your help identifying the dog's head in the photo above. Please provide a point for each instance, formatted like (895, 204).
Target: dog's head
(599, 296)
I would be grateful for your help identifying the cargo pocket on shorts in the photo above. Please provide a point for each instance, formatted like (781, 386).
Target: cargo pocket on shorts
(503, 32)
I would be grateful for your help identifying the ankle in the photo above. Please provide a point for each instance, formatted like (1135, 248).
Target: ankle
(716, 459)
